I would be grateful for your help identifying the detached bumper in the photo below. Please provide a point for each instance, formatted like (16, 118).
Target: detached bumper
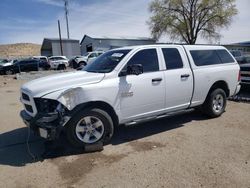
(47, 126)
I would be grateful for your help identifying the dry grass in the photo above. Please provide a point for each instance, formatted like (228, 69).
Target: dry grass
(19, 50)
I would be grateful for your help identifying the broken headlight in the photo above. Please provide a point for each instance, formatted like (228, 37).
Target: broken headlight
(46, 105)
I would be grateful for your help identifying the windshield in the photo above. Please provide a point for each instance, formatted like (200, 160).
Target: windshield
(106, 62)
(86, 54)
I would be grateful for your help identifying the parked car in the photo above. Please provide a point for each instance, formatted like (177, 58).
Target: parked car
(3, 61)
(238, 55)
(25, 65)
(58, 62)
(127, 86)
(245, 59)
(245, 70)
(73, 63)
(41, 58)
(87, 58)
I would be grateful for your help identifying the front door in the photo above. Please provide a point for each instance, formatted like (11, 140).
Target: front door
(142, 95)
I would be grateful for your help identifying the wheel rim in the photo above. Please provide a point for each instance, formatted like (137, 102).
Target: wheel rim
(9, 72)
(218, 103)
(89, 129)
(40, 69)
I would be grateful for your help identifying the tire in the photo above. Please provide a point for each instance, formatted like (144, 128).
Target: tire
(61, 67)
(215, 103)
(9, 72)
(81, 64)
(79, 133)
(41, 69)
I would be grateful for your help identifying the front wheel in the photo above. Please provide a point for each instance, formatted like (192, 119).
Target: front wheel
(41, 69)
(89, 127)
(82, 64)
(215, 103)
(9, 72)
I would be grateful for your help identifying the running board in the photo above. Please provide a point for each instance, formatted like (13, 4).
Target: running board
(142, 120)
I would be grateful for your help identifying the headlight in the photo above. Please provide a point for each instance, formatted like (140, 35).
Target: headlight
(46, 105)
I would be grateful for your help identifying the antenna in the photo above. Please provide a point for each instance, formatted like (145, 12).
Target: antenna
(66, 4)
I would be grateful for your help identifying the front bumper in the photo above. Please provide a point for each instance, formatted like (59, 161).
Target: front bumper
(46, 126)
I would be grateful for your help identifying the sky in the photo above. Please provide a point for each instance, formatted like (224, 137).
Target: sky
(32, 20)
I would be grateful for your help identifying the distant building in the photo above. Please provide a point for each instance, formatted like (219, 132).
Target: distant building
(89, 44)
(51, 47)
(241, 46)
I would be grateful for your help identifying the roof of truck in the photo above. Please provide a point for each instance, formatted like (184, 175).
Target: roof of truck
(189, 47)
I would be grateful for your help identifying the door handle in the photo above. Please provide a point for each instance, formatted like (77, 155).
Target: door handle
(157, 80)
(185, 75)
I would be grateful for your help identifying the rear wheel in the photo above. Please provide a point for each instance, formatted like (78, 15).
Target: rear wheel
(61, 67)
(9, 72)
(215, 103)
(89, 127)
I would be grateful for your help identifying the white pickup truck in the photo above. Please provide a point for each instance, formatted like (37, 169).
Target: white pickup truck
(127, 86)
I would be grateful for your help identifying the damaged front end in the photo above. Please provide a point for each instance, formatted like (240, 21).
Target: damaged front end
(49, 119)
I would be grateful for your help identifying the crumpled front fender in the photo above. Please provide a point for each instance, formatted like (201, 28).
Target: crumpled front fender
(71, 98)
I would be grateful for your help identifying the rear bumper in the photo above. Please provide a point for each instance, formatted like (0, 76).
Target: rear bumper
(47, 126)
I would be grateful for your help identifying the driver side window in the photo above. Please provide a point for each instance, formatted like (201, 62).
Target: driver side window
(147, 58)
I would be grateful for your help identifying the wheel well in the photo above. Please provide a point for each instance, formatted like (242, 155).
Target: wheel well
(101, 105)
(220, 84)
(84, 63)
(62, 65)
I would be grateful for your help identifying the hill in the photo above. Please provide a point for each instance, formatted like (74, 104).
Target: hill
(19, 50)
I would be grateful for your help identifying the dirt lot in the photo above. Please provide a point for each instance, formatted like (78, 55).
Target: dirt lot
(182, 151)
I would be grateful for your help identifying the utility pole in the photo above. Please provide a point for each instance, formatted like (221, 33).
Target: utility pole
(66, 4)
(60, 37)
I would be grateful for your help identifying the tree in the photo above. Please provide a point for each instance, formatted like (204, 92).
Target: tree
(185, 20)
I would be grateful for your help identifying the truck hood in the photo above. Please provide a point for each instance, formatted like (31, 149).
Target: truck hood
(42, 86)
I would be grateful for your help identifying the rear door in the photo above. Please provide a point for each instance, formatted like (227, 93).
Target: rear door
(33, 65)
(179, 78)
(22, 65)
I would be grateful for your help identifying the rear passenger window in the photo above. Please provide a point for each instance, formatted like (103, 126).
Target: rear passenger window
(172, 58)
(205, 57)
(225, 56)
(147, 58)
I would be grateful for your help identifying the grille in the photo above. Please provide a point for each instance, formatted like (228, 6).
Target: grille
(28, 108)
(245, 75)
(245, 68)
(245, 81)
(25, 97)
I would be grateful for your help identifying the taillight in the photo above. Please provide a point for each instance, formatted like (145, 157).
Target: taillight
(239, 77)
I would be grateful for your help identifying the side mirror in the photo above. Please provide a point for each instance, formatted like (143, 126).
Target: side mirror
(135, 69)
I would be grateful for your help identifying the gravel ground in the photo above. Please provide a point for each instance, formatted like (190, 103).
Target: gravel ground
(187, 150)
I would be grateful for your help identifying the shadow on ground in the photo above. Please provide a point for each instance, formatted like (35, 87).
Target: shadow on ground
(14, 152)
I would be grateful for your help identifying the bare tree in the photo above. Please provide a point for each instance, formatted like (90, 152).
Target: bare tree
(184, 20)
